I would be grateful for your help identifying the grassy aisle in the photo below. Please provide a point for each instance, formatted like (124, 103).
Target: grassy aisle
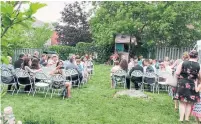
(94, 104)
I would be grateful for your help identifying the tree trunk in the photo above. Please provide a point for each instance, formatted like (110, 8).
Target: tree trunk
(129, 51)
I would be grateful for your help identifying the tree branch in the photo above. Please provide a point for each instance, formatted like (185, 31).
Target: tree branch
(18, 11)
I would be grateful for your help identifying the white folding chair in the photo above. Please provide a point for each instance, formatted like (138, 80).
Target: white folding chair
(151, 76)
(137, 74)
(73, 73)
(58, 83)
(162, 77)
(119, 77)
(42, 83)
(7, 73)
(90, 68)
(23, 74)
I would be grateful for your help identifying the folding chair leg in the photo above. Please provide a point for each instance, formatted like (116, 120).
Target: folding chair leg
(153, 88)
(47, 92)
(44, 90)
(29, 91)
(13, 91)
(52, 93)
(18, 90)
(34, 92)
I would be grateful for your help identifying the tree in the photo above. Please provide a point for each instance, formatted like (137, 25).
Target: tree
(75, 27)
(30, 37)
(12, 15)
(152, 23)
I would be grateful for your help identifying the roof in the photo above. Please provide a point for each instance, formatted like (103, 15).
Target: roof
(124, 39)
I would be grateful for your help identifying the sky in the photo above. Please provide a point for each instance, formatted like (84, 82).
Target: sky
(51, 12)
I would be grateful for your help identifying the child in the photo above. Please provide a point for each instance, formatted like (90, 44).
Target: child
(196, 111)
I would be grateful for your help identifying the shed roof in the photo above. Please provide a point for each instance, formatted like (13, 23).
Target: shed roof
(120, 38)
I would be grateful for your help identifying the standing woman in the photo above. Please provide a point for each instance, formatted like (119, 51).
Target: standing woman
(185, 57)
(124, 66)
(187, 73)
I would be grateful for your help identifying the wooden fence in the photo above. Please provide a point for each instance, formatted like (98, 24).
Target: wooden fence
(171, 52)
(31, 51)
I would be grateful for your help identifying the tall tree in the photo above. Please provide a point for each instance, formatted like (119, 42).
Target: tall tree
(74, 27)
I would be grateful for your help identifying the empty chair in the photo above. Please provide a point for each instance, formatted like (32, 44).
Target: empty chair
(40, 81)
(150, 80)
(162, 78)
(119, 77)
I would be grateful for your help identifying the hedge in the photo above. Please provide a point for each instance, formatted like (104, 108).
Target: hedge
(103, 51)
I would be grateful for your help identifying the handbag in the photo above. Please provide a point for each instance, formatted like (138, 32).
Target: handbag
(172, 80)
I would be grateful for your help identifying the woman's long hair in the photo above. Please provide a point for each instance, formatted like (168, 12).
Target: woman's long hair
(26, 63)
(35, 64)
(124, 64)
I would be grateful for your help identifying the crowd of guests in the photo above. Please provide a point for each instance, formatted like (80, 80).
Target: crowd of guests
(141, 64)
(34, 63)
(187, 91)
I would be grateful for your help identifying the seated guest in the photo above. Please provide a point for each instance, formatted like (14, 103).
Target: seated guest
(140, 62)
(148, 68)
(28, 55)
(114, 69)
(58, 70)
(80, 67)
(53, 60)
(152, 65)
(124, 66)
(136, 80)
(71, 65)
(43, 60)
(19, 62)
(166, 61)
(131, 64)
(83, 64)
(10, 68)
(31, 68)
(36, 55)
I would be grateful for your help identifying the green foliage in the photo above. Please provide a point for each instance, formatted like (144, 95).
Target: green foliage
(22, 37)
(75, 27)
(163, 23)
(94, 104)
(4, 59)
(13, 17)
(104, 51)
(63, 51)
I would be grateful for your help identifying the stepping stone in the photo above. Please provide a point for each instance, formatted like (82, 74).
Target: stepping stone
(131, 93)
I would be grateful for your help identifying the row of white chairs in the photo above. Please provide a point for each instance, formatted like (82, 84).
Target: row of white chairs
(120, 77)
(46, 82)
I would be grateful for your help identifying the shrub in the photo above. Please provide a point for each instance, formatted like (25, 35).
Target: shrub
(103, 51)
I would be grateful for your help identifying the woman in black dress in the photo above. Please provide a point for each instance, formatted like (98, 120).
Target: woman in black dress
(187, 73)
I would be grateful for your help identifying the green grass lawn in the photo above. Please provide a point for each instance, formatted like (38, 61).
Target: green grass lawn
(94, 104)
